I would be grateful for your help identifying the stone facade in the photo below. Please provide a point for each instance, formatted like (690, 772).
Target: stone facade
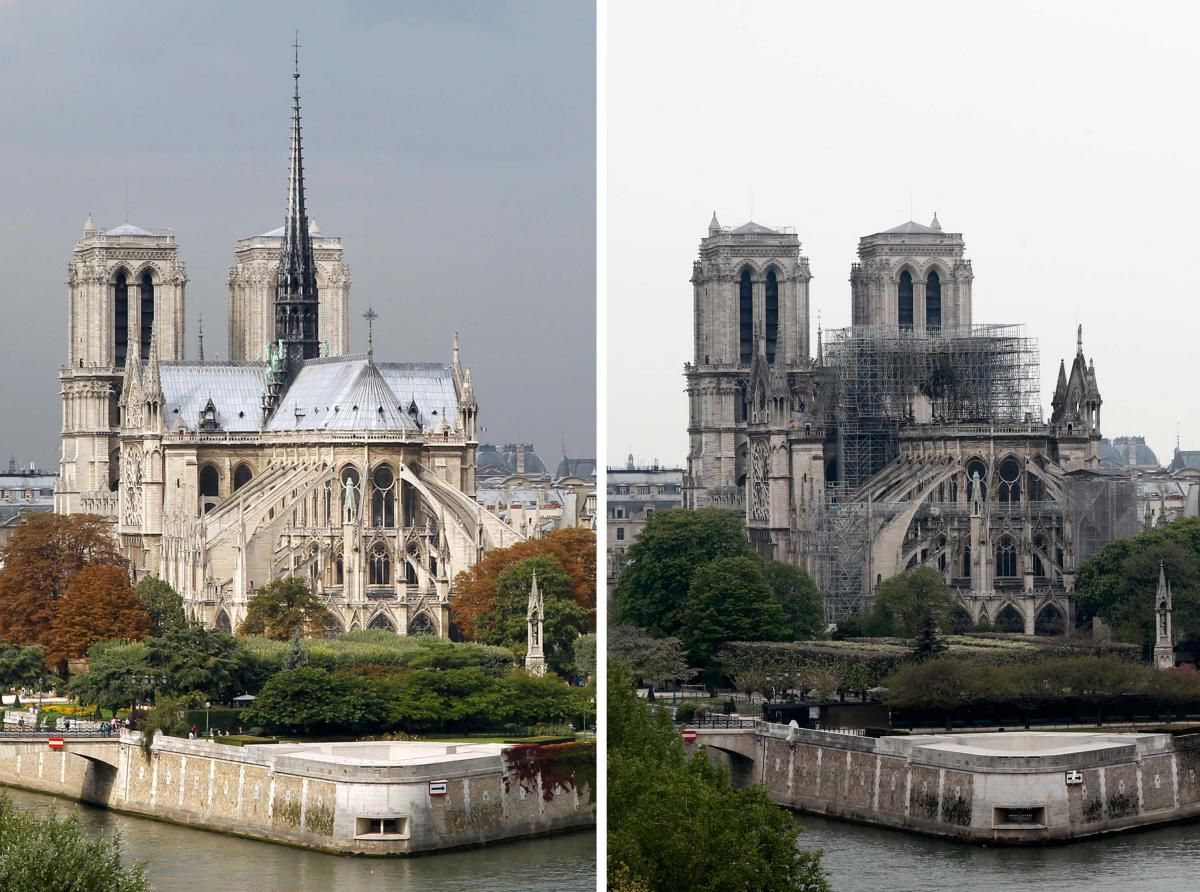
(912, 438)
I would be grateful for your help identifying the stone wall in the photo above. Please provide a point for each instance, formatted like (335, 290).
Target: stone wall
(270, 793)
(920, 784)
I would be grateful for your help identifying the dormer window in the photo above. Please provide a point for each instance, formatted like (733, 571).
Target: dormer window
(208, 417)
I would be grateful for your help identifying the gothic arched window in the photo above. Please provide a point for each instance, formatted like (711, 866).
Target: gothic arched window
(210, 481)
(1039, 548)
(746, 316)
(966, 567)
(933, 301)
(976, 467)
(772, 314)
(380, 566)
(381, 621)
(339, 570)
(241, 476)
(222, 622)
(147, 293)
(1009, 488)
(120, 318)
(421, 625)
(1006, 557)
(904, 294)
(383, 497)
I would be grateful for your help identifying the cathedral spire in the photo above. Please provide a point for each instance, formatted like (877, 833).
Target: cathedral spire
(296, 285)
(152, 383)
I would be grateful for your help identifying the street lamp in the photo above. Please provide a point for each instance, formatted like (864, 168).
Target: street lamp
(207, 707)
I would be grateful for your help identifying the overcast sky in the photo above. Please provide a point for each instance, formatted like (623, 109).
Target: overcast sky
(1062, 140)
(450, 145)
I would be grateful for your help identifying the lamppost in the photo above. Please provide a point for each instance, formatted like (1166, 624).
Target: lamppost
(207, 707)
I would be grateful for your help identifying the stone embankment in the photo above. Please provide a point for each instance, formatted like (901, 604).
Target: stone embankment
(1009, 788)
(383, 798)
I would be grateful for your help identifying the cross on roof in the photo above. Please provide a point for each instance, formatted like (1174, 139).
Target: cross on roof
(370, 316)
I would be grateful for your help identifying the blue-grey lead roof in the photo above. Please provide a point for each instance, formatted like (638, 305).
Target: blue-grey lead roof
(236, 389)
(341, 394)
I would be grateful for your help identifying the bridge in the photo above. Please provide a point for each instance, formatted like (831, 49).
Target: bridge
(91, 757)
(730, 741)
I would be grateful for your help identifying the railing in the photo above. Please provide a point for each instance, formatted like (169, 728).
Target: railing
(718, 720)
(43, 733)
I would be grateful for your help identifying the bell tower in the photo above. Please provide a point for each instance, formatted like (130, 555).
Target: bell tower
(124, 284)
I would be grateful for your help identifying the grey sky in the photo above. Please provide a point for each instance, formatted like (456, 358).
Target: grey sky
(1060, 139)
(450, 145)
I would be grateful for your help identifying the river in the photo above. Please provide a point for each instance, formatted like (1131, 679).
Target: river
(871, 859)
(180, 859)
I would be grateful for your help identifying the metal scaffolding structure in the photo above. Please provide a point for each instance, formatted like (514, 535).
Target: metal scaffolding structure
(1102, 507)
(886, 377)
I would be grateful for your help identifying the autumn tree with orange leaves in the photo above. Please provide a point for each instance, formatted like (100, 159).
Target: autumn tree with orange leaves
(475, 589)
(100, 605)
(43, 557)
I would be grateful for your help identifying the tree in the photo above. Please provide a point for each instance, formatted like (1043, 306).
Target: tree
(648, 659)
(475, 589)
(654, 587)
(905, 602)
(930, 642)
(42, 558)
(729, 600)
(22, 666)
(100, 605)
(162, 604)
(314, 701)
(673, 822)
(194, 659)
(44, 851)
(505, 623)
(799, 597)
(945, 683)
(584, 654)
(281, 607)
(118, 675)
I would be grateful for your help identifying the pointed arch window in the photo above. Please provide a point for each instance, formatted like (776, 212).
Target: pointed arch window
(383, 497)
(933, 301)
(120, 319)
(746, 317)
(210, 481)
(966, 562)
(147, 307)
(1006, 557)
(380, 566)
(772, 314)
(904, 295)
(421, 625)
(241, 476)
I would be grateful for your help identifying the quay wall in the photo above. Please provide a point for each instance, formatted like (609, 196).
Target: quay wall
(932, 784)
(274, 793)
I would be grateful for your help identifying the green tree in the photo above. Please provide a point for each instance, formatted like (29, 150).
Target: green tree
(162, 604)
(673, 822)
(281, 607)
(22, 666)
(945, 683)
(584, 654)
(905, 602)
(310, 700)
(653, 590)
(648, 659)
(1097, 680)
(799, 597)
(929, 642)
(504, 623)
(729, 600)
(44, 851)
(195, 659)
(118, 675)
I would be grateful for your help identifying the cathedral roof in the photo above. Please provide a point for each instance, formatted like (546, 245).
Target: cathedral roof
(236, 390)
(752, 228)
(912, 228)
(127, 229)
(341, 394)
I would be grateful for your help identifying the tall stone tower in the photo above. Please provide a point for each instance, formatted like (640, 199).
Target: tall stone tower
(124, 284)
(1164, 646)
(912, 277)
(751, 308)
(535, 619)
(252, 283)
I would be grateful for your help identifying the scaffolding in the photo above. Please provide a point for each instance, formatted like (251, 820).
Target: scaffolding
(1101, 507)
(884, 379)
(887, 377)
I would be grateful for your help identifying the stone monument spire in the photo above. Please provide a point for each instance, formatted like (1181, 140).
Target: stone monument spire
(296, 283)
(1164, 647)
(535, 659)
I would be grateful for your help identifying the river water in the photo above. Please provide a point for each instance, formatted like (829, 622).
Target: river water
(871, 859)
(182, 859)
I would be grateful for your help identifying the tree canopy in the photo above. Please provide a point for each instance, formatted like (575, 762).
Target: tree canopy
(649, 659)
(674, 822)
(193, 659)
(42, 558)
(476, 589)
(99, 605)
(907, 601)
(1118, 583)
(797, 593)
(281, 607)
(729, 600)
(162, 604)
(654, 587)
(505, 623)
(118, 675)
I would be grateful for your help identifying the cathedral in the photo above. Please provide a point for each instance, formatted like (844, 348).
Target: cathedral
(913, 438)
(292, 457)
